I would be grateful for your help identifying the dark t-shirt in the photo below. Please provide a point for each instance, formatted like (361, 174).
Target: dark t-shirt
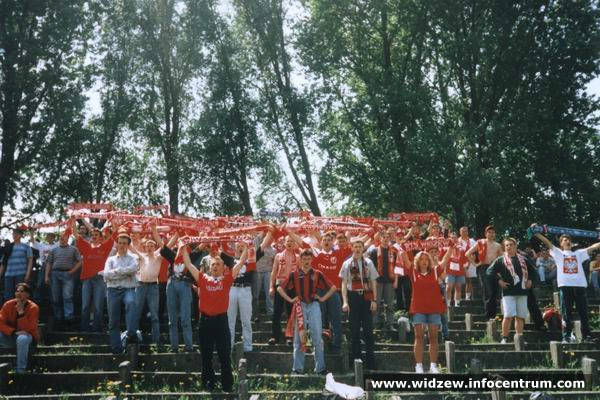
(383, 277)
(170, 255)
(498, 267)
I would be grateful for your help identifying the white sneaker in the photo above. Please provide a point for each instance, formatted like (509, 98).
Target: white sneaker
(433, 369)
(503, 341)
(419, 368)
(468, 296)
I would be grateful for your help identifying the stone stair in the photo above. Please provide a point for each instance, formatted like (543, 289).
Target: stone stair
(75, 365)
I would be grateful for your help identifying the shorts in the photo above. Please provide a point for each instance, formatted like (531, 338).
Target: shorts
(471, 272)
(427, 319)
(455, 279)
(515, 306)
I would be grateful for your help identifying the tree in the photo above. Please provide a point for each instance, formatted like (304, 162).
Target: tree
(171, 43)
(42, 80)
(458, 106)
(288, 110)
(116, 48)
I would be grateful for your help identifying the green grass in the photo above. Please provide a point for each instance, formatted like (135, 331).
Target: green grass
(482, 340)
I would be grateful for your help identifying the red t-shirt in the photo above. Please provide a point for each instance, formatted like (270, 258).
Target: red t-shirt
(94, 258)
(213, 294)
(457, 263)
(329, 265)
(426, 295)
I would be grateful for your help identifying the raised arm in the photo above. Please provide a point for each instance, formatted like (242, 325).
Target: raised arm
(268, 239)
(410, 233)
(172, 240)
(74, 229)
(87, 224)
(593, 248)
(296, 238)
(159, 242)
(187, 262)
(446, 258)
(236, 268)
(405, 260)
(543, 238)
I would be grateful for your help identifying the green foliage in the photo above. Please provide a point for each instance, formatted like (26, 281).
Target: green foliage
(474, 109)
(457, 106)
(42, 80)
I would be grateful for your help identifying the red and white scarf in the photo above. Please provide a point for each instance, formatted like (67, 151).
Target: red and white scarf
(481, 250)
(298, 317)
(511, 269)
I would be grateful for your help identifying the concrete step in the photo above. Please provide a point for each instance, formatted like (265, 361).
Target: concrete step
(503, 359)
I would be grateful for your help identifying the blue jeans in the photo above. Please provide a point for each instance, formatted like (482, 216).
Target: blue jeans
(10, 285)
(61, 285)
(262, 281)
(40, 285)
(143, 294)
(331, 311)
(114, 298)
(542, 274)
(594, 279)
(179, 307)
(312, 318)
(22, 343)
(240, 298)
(93, 291)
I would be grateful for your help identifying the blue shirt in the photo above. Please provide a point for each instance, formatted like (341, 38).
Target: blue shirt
(17, 262)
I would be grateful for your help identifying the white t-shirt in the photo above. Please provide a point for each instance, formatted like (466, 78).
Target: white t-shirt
(569, 266)
(44, 249)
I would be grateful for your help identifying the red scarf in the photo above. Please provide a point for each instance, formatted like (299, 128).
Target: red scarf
(283, 258)
(298, 317)
(509, 266)
(481, 250)
(380, 263)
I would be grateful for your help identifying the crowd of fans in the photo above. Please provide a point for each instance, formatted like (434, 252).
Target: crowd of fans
(318, 278)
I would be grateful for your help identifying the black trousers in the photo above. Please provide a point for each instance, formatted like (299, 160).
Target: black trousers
(569, 296)
(361, 317)
(215, 331)
(279, 304)
(162, 301)
(534, 309)
(403, 293)
(492, 291)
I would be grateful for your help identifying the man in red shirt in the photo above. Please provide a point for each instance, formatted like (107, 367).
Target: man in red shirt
(329, 262)
(305, 283)
(19, 324)
(93, 288)
(213, 293)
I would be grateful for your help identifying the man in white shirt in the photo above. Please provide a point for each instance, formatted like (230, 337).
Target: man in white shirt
(572, 282)
(44, 249)
(147, 287)
(359, 294)
(119, 274)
